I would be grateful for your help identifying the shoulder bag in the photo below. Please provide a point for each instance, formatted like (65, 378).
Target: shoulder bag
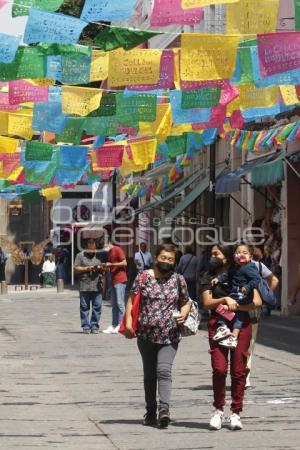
(136, 302)
(191, 324)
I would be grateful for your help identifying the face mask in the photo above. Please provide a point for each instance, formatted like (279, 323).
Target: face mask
(214, 264)
(164, 267)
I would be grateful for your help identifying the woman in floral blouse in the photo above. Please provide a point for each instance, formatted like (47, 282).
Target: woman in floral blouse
(163, 294)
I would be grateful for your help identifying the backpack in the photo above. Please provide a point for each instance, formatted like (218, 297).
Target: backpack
(265, 291)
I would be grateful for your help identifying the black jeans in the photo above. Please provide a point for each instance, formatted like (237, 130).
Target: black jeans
(157, 363)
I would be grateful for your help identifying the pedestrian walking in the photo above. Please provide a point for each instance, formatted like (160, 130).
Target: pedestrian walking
(189, 267)
(272, 280)
(3, 259)
(143, 259)
(163, 292)
(91, 283)
(213, 296)
(48, 272)
(117, 265)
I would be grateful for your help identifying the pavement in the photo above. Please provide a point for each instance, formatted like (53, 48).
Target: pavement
(61, 389)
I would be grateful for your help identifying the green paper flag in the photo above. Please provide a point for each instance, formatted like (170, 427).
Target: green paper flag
(107, 106)
(101, 126)
(72, 132)
(37, 151)
(115, 37)
(41, 177)
(64, 49)
(200, 98)
(131, 110)
(177, 145)
(29, 62)
(22, 7)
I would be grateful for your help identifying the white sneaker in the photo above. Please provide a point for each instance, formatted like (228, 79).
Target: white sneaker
(216, 420)
(230, 342)
(222, 332)
(116, 330)
(109, 330)
(235, 422)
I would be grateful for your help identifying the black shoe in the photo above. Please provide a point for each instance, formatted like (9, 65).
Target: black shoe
(164, 418)
(150, 419)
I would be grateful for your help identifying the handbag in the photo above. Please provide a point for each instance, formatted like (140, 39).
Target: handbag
(136, 301)
(191, 324)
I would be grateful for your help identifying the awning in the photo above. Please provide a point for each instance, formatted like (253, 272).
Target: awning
(194, 194)
(230, 182)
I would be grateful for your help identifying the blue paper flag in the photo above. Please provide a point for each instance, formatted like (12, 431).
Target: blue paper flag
(48, 117)
(290, 77)
(8, 47)
(209, 136)
(73, 156)
(129, 93)
(99, 141)
(54, 67)
(75, 69)
(65, 177)
(44, 26)
(54, 94)
(255, 113)
(107, 10)
(193, 115)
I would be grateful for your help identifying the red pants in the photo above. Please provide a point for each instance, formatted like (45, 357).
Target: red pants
(238, 364)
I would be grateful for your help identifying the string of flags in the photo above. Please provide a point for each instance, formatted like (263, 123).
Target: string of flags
(59, 126)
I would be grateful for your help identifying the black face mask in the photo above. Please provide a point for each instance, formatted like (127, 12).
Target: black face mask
(214, 264)
(164, 267)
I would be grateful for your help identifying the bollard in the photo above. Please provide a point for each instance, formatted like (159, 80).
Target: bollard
(60, 285)
(3, 287)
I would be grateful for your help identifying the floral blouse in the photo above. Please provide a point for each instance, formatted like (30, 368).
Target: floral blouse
(160, 298)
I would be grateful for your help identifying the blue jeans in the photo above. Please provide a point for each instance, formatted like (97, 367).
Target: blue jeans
(117, 302)
(86, 299)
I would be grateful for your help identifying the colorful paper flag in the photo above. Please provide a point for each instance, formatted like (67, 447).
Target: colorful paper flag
(52, 193)
(289, 95)
(20, 91)
(48, 117)
(22, 7)
(110, 156)
(138, 66)
(207, 56)
(115, 37)
(38, 151)
(252, 16)
(99, 65)
(73, 156)
(192, 115)
(200, 3)
(43, 26)
(80, 100)
(200, 98)
(110, 11)
(20, 125)
(28, 63)
(170, 12)
(8, 145)
(8, 47)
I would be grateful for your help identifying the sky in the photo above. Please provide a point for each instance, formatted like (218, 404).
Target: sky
(9, 25)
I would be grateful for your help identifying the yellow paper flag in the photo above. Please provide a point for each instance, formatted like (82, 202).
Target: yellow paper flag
(8, 145)
(251, 97)
(252, 16)
(207, 56)
(20, 125)
(52, 193)
(79, 100)
(178, 130)
(99, 65)
(289, 95)
(3, 122)
(161, 126)
(137, 66)
(186, 4)
(14, 175)
(129, 166)
(143, 152)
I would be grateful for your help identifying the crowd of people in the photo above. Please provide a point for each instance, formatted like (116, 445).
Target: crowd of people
(228, 287)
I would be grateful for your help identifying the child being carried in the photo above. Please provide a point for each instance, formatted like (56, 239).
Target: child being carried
(242, 277)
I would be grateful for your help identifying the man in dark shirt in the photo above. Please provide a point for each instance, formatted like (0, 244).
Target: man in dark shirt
(91, 282)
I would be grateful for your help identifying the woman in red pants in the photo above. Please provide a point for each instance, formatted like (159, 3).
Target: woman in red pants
(212, 297)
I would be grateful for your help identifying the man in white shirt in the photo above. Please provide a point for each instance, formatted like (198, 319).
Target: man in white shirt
(143, 259)
(48, 272)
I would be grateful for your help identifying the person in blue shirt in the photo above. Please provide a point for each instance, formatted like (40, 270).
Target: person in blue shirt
(242, 277)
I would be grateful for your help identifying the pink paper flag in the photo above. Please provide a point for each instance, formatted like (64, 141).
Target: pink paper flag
(237, 120)
(278, 52)
(21, 91)
(166, 78)
(110, 156)
(4, 103)
(170, 12)
(2, 3)
(228, 94)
